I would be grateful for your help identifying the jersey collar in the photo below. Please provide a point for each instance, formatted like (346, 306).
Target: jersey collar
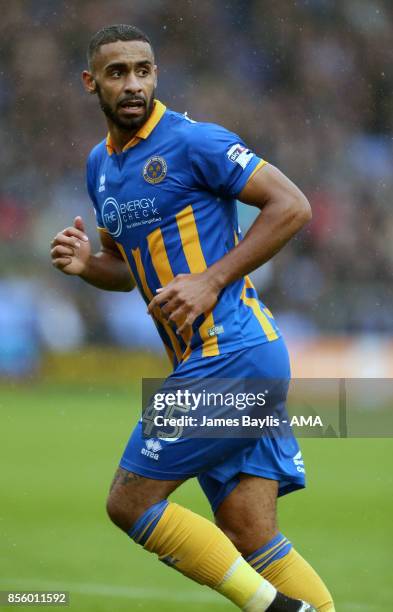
(144, 131)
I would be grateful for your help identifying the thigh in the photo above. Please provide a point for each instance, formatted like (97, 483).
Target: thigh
(132, 490)
(248, 515)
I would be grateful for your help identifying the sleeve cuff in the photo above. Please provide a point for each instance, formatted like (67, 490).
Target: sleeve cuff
(250, 170)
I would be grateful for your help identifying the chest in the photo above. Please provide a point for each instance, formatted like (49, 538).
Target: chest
(140, 190)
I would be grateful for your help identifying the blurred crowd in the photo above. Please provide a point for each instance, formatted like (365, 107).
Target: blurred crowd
(307, 84)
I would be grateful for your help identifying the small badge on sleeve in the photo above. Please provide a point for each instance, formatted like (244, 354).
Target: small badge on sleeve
(238, 154)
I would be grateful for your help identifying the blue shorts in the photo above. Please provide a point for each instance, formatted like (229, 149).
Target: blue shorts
(217, 463)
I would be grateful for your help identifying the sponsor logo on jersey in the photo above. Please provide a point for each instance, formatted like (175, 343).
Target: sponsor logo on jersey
(238, 154)
(102, 183)
(153, 447)
(111, 217)
(155, 169)
(129, 214)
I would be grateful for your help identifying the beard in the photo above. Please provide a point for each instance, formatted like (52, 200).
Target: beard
(125, 123)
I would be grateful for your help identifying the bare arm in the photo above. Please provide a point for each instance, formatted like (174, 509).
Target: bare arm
(71, 253)
(284, 211)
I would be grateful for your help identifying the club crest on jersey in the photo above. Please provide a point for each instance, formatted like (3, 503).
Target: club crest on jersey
(154, 170)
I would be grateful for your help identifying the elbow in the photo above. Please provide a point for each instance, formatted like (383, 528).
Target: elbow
(301, 212)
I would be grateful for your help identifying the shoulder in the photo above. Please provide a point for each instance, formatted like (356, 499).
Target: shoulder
(96, 155)
(197, 132)
(210, 137)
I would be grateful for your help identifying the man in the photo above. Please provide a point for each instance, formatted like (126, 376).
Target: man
(164, 189)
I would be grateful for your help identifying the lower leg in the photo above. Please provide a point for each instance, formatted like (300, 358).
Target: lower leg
(268, 552)
(194, 546)
(282, 565)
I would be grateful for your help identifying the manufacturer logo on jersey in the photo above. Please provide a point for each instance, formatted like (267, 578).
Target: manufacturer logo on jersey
(102, 183)
(215, 330)
(154, 170)
(111, 217)
(238, 154)
(153, 447)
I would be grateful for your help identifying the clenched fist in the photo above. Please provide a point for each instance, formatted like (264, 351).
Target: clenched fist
(71, 250)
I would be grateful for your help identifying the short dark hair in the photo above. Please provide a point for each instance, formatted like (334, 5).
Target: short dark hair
(111, 34)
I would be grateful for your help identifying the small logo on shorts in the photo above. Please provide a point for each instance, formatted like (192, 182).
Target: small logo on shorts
(215, 330)
(155, 169)
(298, 461)
(153, 447)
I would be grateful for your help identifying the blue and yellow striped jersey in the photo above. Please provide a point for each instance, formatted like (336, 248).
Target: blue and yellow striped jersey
(169, 202)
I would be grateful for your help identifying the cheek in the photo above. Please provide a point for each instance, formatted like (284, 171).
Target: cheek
(150, 89)
(112, 93)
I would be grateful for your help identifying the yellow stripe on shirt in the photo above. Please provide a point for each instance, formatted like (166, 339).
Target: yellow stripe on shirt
(255, 306)
(148, 293)
(196, 262)
(123, 254)
(162, 267)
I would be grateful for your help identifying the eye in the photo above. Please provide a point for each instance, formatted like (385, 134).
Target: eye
(143, 72)
(115, 74)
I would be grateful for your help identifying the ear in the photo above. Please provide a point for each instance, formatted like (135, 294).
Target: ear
(155, 69)
(89, 82)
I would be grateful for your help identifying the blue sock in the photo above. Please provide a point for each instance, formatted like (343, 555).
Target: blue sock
(277, 548)
(144, 526)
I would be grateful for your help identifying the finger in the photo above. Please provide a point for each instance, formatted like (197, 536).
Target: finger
(61, 262)
(158, 300)
(73, 231)
(62, 250)
(186, 325)
(64, 239)
(79, 224)
(170, 307)
(178, 316)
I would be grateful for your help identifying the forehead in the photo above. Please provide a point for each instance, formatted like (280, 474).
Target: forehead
(127, 51)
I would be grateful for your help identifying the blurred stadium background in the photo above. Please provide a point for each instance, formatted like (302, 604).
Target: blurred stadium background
(308, 84)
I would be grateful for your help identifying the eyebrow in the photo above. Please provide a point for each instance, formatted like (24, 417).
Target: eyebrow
(123, 64)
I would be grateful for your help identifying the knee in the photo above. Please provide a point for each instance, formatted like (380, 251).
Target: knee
(236, 536)
(123, 514)
(248, 538)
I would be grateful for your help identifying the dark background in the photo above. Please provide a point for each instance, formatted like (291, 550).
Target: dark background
(307, 84)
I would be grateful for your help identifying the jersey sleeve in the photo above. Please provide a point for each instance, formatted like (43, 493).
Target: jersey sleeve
(90, 181)
(221, 162)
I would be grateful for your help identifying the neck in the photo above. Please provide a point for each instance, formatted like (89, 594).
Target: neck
(119, 136)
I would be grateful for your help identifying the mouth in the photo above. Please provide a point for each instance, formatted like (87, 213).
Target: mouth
(132, 107)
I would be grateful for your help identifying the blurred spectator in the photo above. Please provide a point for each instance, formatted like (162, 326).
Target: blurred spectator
(307, 84)
(19, 344)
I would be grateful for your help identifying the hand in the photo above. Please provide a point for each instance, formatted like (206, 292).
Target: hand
(71, 249)
(185, 298)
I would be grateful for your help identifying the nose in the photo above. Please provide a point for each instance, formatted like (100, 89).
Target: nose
(132, 84)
